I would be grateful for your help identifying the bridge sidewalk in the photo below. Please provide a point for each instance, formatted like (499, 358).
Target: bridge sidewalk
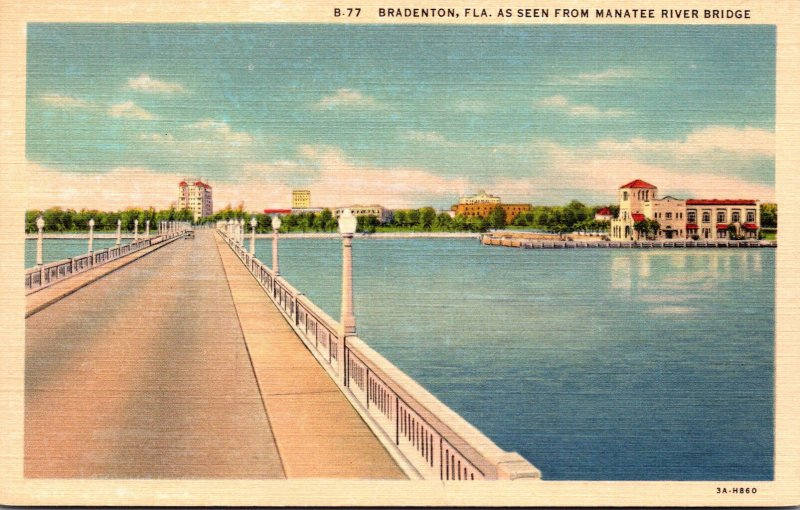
(41, 299)
(317, 431)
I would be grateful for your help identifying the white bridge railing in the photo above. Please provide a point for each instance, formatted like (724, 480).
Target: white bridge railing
(427, 438)
(37, 278)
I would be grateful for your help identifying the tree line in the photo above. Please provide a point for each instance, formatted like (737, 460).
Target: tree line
(57, 219)
(572, 217)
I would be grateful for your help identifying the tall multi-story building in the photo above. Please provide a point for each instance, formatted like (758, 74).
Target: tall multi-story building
(683, 219)
(195, 196)
(479, 198)
(301, 199)
(483, 209)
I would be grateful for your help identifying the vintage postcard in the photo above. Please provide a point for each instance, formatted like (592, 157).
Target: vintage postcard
(390, 254)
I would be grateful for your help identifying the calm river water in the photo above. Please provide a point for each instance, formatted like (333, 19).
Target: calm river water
(59, 249)
(592, 364)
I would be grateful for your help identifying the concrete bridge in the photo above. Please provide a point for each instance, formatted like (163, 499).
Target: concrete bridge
(188, 358)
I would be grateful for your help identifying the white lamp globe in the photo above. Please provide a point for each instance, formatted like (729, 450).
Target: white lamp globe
(276, 222)
(253, 222)
(91, 222)
(40, 223)
(347, 222)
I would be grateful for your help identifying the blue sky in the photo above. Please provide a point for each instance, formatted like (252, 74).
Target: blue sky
(402, 115)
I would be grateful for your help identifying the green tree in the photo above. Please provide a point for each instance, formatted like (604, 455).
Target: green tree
(426, 217)
(412, 217)
(647, 228)
(497, 217)
(443, 222)
(769, 215)
(399, 218)
(367, 223)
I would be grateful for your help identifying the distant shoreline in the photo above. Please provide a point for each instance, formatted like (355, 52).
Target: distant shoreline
(83, 235)
(289, 235)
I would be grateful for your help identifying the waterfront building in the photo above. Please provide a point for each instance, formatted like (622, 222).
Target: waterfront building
(682, 219)
(378, 211)
(479, 198)
(485, 208)
(301, 199)
(196, 196)
(603, 214)
(306, 210)
(708, 218)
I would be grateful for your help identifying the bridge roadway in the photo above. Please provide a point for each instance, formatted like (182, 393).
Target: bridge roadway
(178, 366)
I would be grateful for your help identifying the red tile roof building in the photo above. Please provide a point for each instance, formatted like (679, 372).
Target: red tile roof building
(603, 214)
(693, 218)
(197, 197)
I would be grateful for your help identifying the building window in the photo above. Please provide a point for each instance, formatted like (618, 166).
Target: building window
(735, 216)
(669, 215)
(751, 216)
(624, 195)
(691, 217)
(706, 216)
(720, 216)
(722, 234)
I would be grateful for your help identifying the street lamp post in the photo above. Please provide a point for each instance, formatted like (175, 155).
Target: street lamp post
(347, 227)
(253, 224)
(91, 239)
(276, 225)
(119, 231)
(147, 228)
(229, 231)
(40, 241)
(135, 230)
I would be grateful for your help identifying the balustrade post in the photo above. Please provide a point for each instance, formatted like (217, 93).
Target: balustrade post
(297, 308)
(40, 240)
(276, 225)
(347, 228)
(91, 238)
(253, 224)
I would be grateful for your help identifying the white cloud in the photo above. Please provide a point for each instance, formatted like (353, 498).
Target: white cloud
(599, 77)
(594, 170)
(129, 110)
(560, 102)
(746, 142)
(556, 101)
(347, 98)
(472, 106)
(338, 180)
(65, 102)
(118, 189)
(607, 75)
(220, 130)
(144, 83)
(429, 137)
(165, 138)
